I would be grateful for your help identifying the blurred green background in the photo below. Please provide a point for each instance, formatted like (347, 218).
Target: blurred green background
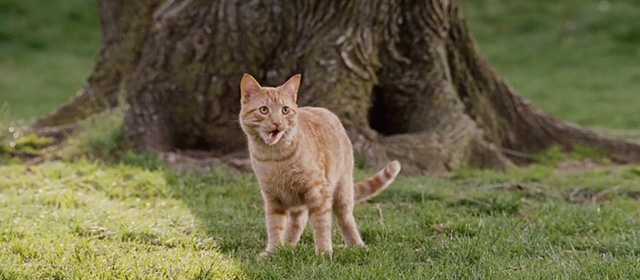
(578, 59)
(47, 49)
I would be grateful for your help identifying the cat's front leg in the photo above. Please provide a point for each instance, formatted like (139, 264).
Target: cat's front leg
(295, 226)
(276, 216)
(319, 201)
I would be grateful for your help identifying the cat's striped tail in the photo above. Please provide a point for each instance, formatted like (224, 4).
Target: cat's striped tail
(375, 184)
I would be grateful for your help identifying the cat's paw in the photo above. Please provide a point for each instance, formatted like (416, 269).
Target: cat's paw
(361, 246)
(265, 255)
(327, 254)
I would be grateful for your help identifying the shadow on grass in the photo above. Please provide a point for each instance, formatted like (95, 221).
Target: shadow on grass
(228, 206)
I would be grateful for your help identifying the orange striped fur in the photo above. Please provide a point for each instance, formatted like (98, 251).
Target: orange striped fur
(303, 160)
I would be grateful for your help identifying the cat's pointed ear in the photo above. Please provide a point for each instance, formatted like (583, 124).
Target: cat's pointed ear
(249, 88)
(291, 86)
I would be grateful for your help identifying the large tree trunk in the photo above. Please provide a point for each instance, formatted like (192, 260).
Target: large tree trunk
(405, 77)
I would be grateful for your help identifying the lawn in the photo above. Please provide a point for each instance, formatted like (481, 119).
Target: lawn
(566, 216)
(47, 49)
(85, 220)
(566, 56)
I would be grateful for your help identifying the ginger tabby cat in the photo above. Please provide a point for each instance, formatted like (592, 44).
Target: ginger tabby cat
(303, 160)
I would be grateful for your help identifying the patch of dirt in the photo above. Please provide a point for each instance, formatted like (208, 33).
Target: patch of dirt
(204, 162)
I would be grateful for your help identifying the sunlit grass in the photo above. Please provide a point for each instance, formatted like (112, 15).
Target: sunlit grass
(89, 220)
(85, 221)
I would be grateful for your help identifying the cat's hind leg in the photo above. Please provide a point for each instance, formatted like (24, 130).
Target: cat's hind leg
(343, 204)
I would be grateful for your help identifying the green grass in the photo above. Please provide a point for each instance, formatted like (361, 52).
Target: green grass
(84, 221)
(47, 49)
(88, 220)
(99, 136)
(569, 57)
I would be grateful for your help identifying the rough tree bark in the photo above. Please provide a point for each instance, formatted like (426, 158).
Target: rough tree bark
(405, 77)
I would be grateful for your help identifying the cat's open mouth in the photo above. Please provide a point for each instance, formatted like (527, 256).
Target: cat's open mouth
(274, 133)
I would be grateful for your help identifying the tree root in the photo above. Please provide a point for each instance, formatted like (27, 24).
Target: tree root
(583, 196)
(86, 103)
(57, 133)
(509, 121)
(202, 163)
(533, 129)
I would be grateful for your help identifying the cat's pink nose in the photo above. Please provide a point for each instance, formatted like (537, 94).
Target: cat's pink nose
(277, 124)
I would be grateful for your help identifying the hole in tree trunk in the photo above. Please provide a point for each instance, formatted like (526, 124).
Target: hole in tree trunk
(386, 115)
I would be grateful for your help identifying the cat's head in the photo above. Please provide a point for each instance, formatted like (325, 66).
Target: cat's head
(268, 114)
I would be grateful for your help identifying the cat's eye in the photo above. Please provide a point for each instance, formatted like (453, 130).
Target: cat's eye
(263, 109)
(285, 110)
